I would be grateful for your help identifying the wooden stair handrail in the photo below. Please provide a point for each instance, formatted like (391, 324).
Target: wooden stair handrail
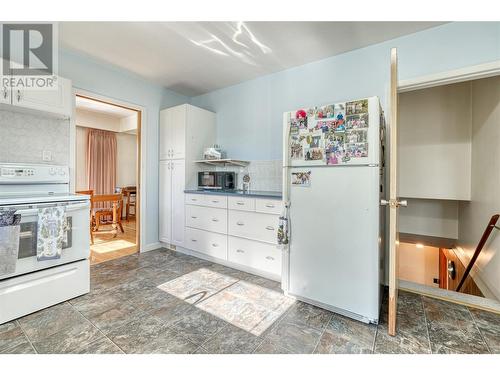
(492, 224)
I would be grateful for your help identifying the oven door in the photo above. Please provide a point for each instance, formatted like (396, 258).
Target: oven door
(77, 237)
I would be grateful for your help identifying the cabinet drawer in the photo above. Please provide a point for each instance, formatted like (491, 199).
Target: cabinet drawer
(195, 199)
(268, 206)
(206, 218)
(219, 201)
(241, 203)
(258, 255)
(213, 244)
(253, 225)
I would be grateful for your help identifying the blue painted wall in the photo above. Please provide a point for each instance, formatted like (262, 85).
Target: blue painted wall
(103, 79)
(249, 115)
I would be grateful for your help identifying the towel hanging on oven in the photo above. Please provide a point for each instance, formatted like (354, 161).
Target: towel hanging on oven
(51, 227)
(9, 241)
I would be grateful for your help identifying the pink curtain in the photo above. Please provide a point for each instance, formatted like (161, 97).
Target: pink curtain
(101, 161)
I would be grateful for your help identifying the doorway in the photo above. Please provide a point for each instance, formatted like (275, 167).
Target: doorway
(449, 247)
(107, 167)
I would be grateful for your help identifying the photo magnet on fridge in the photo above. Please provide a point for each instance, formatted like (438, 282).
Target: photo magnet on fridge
(296, 151)
(302, 179)
(357, 121)
(357, 107)
(311, 154)
(357, 136)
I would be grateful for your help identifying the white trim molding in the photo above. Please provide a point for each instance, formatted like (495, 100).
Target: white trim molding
(143, 180)
(452, 76)
(151, 247)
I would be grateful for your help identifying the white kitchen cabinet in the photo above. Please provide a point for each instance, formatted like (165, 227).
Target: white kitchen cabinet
(5, 94)
(249, 225)
(207, 218)
(185, 131)
(173, 123)
(269, 206)
(56, 101)
(241, 203)
(212, 244)
(178, 186)
(254, 254)
(253, 225)
(165, 201)
(171, 202)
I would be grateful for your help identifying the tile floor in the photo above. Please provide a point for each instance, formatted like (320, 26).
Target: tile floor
(166, 302)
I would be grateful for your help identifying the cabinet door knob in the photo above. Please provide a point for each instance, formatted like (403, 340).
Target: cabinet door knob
(192, 239)
(240, 203)
(194, 199)
(269, 258)
(240, 223)
(240, 251)
(215, 219)
(270, 205)
(269, 227)
(194, 217)
(215, 201)
(215, 245)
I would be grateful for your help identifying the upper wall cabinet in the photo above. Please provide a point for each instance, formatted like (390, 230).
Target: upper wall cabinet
(185, 131)
(55, 102)
(435, 127)
(173, 122)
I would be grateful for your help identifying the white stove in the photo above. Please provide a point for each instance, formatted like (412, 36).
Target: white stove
(35, 284)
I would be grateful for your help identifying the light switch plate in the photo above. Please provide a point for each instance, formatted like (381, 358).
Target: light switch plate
(47, 155)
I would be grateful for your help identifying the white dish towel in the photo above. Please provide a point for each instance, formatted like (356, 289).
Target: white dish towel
(51, 228)
(9, 241)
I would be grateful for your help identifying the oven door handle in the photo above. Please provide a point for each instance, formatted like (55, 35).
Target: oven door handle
(69, 208)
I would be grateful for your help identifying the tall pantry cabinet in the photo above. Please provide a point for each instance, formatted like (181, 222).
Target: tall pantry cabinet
(185, 131)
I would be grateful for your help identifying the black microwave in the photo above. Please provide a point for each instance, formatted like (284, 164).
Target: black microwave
(217, 180)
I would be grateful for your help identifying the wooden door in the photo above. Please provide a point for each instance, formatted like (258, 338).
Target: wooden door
(393, 202)
(165, 201)
(178, 216)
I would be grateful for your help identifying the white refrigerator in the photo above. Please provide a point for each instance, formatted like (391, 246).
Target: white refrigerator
(333, 183)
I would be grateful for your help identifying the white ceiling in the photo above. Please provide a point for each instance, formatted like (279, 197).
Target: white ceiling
(193, 58)
(107, 109)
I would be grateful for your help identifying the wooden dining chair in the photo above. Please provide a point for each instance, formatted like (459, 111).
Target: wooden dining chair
(130, 192)
(99, 213)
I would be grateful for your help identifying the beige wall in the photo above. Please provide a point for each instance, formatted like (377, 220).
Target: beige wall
(419, 265)
(430, 217)
(126, 145)
(434, 142)
(485, 187)
(96, 120)
(126, 164)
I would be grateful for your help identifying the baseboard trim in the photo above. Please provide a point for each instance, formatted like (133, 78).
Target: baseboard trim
(451, 296)
(151, 246)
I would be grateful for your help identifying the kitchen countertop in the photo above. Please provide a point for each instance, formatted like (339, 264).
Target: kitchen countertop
(251, 193)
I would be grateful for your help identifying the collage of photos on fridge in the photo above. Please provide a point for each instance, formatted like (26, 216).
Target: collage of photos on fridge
(333, 134)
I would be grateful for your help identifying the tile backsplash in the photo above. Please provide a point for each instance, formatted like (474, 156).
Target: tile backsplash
(265, 175)
(24, 138)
